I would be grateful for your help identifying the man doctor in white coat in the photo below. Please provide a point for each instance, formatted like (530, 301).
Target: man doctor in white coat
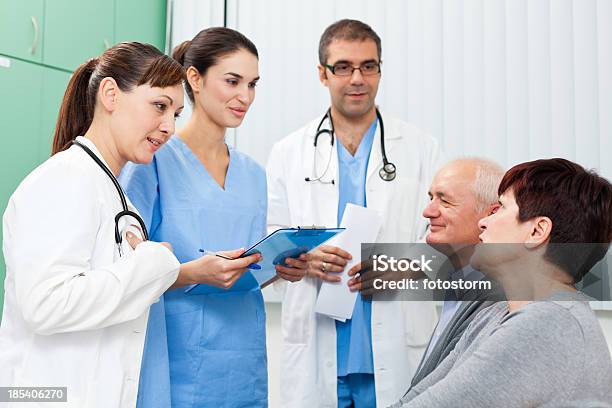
(370, 359)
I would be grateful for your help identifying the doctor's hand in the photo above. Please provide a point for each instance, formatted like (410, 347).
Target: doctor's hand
(325, 263)
(362, 278)
(294, 272)
(214, 270)
(134, 241)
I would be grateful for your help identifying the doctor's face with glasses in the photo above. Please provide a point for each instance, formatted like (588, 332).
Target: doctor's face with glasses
(352, 74)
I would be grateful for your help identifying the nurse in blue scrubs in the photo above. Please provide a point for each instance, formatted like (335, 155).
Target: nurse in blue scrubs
(200, 194)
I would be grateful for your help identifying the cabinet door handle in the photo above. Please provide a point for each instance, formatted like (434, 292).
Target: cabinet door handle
(106, 44)
(36, 35)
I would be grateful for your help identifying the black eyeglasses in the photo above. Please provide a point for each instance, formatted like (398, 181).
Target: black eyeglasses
(346, 69)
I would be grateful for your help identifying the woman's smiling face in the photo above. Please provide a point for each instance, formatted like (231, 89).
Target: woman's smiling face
(227, 89)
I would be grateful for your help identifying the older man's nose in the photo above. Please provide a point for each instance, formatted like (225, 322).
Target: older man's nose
(432, 210)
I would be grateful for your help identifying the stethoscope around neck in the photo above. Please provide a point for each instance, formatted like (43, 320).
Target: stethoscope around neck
(125, 211)
(387, 172)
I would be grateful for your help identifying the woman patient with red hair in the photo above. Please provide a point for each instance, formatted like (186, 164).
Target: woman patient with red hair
(543, 346)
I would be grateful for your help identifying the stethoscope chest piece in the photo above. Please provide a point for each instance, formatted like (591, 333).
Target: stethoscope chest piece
(387, 172)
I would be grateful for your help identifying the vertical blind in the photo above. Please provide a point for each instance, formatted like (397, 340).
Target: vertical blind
(511, 80)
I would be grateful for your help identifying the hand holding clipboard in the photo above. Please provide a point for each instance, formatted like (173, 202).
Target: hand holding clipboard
(275, 248)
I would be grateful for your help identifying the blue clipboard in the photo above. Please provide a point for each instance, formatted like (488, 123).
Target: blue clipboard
(275, 248)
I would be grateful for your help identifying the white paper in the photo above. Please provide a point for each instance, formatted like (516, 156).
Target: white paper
(362, 225)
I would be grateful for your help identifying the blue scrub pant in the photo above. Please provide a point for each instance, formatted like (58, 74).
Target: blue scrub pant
(356, 391)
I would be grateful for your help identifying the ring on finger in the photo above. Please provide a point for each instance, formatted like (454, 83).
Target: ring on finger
(324, 266)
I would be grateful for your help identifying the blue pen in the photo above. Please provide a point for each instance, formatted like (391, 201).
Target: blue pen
(251, 266)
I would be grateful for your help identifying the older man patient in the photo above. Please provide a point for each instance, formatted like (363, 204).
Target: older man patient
(462, 192)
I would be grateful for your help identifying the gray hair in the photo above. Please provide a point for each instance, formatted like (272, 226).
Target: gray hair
(486, 181)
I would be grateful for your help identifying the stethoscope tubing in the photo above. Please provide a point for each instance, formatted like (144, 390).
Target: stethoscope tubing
(388, 170)
(125, 211)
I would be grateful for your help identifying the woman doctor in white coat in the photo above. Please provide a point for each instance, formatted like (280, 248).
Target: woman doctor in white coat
(77, 295)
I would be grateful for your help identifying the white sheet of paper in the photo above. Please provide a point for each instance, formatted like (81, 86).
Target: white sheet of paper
(362, 225)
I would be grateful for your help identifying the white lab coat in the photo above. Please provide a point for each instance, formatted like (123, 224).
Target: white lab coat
(400, 330)
(75, 313)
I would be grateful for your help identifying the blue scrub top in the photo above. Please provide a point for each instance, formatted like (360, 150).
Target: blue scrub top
(354, 336)
(215, 352)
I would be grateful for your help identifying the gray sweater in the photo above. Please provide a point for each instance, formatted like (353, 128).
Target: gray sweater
(547, 354)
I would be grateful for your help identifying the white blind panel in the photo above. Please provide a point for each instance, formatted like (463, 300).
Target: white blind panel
(452, 77)
(432, 95)
(604, 76)
(586, 109)
(473, 74)
(494, 112)
(538, 76)
(562, 79)
(517, 84)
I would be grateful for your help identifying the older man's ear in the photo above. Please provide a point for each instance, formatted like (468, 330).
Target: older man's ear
(493, 209)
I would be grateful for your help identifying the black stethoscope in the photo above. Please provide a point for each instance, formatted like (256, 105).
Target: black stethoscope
(125, 211)
(387, 172)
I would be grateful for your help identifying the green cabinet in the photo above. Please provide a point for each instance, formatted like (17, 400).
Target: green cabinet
(21, 29)
(28, 124)
(65, 33)
(141, 20)
(53, 89)
(41, 43)
(76, 30)
(21, 125)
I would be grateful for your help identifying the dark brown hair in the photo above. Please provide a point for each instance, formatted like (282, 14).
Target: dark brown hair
(207, 47)
(130, 64)
(351, 30)
(577, 201)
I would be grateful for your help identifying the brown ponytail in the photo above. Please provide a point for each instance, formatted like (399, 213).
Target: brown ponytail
(130, 64)
(76, 111)
(179, 51)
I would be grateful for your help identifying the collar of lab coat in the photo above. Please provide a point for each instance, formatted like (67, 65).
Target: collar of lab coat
(375, 159)
(85, 141)
(390, 129)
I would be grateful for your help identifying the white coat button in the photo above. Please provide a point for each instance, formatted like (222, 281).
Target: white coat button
(329, 364)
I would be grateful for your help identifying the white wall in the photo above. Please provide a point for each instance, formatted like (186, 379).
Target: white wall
(512, 80)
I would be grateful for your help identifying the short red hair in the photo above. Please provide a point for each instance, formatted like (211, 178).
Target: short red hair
(577, 201)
